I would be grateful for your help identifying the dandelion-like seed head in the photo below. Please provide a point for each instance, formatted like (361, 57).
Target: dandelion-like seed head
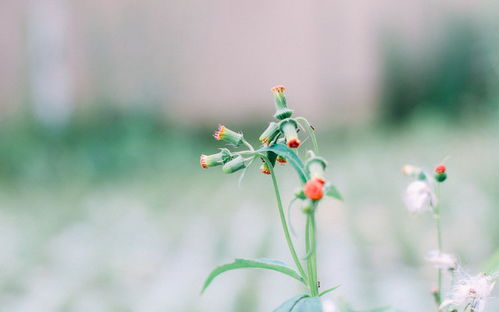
(442, 260)
(419, 197)
(472, 291)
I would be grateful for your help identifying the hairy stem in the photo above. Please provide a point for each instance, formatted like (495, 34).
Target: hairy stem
(283, 221)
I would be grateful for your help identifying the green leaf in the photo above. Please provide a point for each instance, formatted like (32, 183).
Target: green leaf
(255, 264)
(288, 305)
(328, 290)
(332, 191)
(492, 265)
(291, 156)
(308, 304)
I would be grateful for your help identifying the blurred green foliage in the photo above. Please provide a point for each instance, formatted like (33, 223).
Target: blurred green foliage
(454, 78)
(95, 144)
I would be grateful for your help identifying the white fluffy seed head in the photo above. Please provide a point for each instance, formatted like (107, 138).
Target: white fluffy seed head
(419, 197)
(442, 260)
(471, 291)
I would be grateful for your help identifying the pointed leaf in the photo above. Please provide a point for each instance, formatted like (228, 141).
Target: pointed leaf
(328, 290)
(332, 191)
(268, 264)
(291, 156)
(288, 305)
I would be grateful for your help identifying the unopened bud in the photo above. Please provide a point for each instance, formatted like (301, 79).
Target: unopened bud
(289, 129)
(269, 134)
(217, 159)
(282, 111)
(227, 135)
(234, 165)
(316, 167)
(281, 159)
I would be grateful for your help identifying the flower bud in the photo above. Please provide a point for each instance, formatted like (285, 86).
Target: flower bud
(314, 189)
(234, 165)
(299, 193)
(316, 166)
(232, 137)
(440, 174)
(441, 177)
(282, 111)
(413, 172)
(264, 168)
(217, 159)
(289, 129)
(269, 134)
(281, 159)
(440, 169)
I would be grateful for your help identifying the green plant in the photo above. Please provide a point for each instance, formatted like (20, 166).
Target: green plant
(467, 293)
(279, 143)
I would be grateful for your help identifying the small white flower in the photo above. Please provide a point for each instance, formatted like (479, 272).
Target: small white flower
(442, 260)
(471, 292)
(419, 197)
(329, 306)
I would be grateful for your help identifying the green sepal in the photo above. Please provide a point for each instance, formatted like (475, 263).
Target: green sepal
(440, 177)
(332, 191)
(283, 113)
(268, 264)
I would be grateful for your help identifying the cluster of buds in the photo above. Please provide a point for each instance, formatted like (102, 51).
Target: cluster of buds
(231, 162)
(283, 130)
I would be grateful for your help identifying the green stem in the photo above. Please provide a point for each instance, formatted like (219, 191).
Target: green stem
(439, 242)
(248, 145)
(311, 132)
(313, 258)
(283, 221)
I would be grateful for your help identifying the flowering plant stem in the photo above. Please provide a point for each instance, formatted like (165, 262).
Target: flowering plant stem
(284, 224)
(438, 226)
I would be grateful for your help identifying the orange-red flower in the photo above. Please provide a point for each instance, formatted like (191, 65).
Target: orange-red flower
(314, 189)
(440, 169)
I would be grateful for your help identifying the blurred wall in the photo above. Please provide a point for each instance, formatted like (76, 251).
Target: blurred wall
(201, 59)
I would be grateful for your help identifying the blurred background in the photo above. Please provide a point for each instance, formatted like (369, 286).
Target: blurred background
(105, 107)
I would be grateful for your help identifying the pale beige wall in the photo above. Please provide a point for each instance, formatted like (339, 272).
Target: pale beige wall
(204, 58)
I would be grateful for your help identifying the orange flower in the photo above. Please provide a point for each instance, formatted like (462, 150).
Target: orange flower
(314, 189)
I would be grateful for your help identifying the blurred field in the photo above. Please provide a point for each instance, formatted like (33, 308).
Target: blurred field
(115, 214)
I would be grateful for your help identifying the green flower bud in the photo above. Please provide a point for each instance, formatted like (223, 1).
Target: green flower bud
(299, 193)
(217, 159)
(234, 165)
(232, 137)
(316, 167)
(289, 128)
(440, 177)
(282, 111)
(269, 134)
